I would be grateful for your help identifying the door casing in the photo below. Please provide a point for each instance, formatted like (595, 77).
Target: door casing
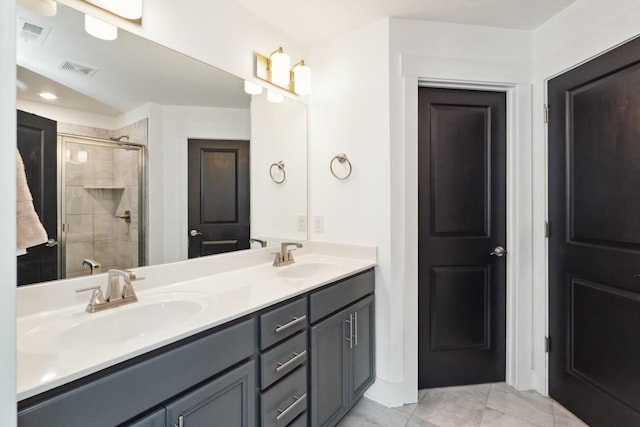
(511, 242)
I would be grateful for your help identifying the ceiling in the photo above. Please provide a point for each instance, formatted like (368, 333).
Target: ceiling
(311, 21)
(131, 71)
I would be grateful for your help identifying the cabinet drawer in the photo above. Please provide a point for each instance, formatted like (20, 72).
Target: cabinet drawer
(282, 359)
(331, 299)
(155, 419)
(282, 322)
(285, 400)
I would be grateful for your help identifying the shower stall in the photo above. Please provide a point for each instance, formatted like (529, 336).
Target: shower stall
(102, 205)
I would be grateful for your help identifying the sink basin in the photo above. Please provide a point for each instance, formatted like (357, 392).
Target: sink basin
(151, 314)
(307, 269)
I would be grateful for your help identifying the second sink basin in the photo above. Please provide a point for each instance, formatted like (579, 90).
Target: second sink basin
(307, 269)
(150, 314)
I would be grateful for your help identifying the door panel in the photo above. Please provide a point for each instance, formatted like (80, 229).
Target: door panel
(37, 144)
(462, 218)
(218, 196)
(594, 296)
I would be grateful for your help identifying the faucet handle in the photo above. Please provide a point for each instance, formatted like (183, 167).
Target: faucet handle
(96, 298)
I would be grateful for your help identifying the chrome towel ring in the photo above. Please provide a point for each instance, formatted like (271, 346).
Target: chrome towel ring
(341, 158)
(280, 166)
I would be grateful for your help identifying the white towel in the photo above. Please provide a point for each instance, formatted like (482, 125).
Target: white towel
(30, 231)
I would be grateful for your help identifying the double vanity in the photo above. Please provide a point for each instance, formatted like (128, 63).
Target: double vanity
(226, 341)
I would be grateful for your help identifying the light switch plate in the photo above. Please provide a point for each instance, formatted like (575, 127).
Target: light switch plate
(318, 223)
(301, 222)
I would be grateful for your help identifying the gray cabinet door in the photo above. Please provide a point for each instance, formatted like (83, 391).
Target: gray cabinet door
(362, 354)
(329, 376)
(227, 401)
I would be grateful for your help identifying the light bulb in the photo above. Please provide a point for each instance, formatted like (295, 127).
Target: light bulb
(302, 79)
(100, 29)
(274, 96)
(280, 68)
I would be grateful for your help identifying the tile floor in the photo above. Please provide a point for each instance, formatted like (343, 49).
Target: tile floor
(475, 405)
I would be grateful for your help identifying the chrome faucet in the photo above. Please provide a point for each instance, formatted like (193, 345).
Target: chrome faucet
(263, 243)
(115, 295)
(93, 265)
(285, 256)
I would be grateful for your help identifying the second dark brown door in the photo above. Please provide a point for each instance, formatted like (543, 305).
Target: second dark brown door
(462, 220)
(218, 196)
(37, 144)
(594, 248)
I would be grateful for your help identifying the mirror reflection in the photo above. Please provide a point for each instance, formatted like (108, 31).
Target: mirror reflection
(157, 157)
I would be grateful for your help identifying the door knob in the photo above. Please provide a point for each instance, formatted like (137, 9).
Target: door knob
(195, 233)
(51, 243)
(499, 251)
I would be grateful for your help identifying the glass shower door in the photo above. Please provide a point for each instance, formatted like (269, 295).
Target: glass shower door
(102, 206)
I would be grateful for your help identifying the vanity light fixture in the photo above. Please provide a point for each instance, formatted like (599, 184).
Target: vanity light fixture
(100, 29)
(252, 88)
(274, 97)
(127, 9)
(41, 7)
(276, 69)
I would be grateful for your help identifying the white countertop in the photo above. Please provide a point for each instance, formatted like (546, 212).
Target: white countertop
(225, 287)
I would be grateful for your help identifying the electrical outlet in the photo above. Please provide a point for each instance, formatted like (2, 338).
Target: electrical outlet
(318, 224)
(301, 222)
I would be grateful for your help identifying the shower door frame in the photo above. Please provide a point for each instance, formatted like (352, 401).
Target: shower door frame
(142, 193)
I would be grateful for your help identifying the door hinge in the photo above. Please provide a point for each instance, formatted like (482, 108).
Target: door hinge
(547, 344)
(547, 229)
(546, 113)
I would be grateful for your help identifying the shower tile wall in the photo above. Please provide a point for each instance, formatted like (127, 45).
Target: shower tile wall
(98, 190)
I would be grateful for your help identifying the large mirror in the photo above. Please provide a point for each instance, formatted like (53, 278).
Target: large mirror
(159, 157)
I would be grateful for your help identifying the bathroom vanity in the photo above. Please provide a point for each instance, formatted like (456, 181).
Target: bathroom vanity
(299, 351)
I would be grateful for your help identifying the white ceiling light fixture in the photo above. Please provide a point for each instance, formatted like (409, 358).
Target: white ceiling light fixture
(128, 9)
(252, 88)
(41, 7)
(48, 96)
(100, 29)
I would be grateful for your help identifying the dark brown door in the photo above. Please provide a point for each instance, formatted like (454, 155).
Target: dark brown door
(462, 219)
(594, 248)
(37, 144)
(218, 196)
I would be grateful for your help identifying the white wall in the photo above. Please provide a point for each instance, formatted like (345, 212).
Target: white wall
(349, 113)
(278, 133)
(7, 213)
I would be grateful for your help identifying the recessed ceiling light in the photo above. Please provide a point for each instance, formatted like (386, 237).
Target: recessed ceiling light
(48, 96)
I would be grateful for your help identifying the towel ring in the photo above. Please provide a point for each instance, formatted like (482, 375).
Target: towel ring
(279, 165)
(341, 158)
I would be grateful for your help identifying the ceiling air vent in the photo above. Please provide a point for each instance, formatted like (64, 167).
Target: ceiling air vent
(74, 67)
(31, 31)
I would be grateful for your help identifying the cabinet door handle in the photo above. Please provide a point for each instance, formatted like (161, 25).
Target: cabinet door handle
(283, 412)
(295, 321)
(355, 328)
(350, 322)
(180, 422)
(296, 357)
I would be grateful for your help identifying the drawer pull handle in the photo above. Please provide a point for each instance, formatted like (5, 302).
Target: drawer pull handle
(355, 328)
(295, 321)
(283, 412)
(296, 357)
